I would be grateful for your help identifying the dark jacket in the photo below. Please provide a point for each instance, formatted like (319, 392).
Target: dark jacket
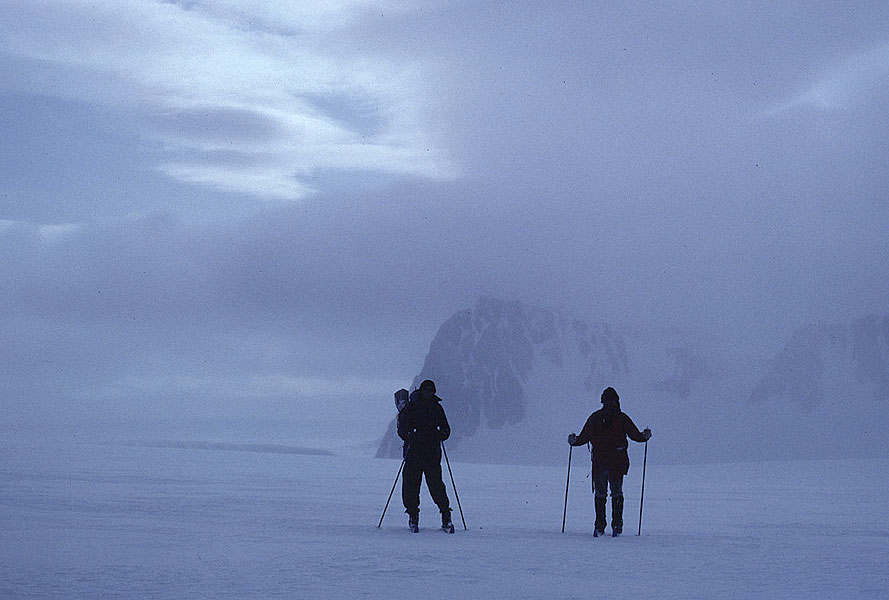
(608, 432)
(423, 426)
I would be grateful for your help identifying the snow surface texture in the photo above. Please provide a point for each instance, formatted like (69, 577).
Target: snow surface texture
(99, 521)
(514, 378)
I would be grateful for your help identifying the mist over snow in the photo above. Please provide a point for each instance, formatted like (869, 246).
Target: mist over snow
(231, 230)
(94, 521)
(516, 379)
(233, 223)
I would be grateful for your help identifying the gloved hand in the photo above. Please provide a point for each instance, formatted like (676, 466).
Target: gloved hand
(646, 434)
(572, 439)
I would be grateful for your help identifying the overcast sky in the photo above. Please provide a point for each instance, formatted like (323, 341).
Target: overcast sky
(267, 209)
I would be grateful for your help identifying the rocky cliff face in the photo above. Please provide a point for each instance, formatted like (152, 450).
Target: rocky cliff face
(823, 362)
(516, 379)
(494, 365)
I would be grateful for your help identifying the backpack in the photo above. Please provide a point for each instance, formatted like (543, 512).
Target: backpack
(401, 399)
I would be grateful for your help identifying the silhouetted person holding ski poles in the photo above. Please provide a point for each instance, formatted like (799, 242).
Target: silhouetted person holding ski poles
(423, 426)
(607, 430)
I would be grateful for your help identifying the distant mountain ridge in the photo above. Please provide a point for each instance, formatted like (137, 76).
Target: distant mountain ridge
(822, 361)
(494, 363)
(516, 379)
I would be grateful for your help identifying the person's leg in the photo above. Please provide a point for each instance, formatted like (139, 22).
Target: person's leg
(600, 494)
(411, 477)
(617, 503)
(436, 487)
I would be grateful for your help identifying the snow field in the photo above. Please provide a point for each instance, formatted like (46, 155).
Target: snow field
(98, 521)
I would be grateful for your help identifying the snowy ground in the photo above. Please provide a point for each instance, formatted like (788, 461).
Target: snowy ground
(105, 521)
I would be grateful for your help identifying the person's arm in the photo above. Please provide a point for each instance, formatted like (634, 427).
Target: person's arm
(633, 432)
(444, 428)
(586, 434)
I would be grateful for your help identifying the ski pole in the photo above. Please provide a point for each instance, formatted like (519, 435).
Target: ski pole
(567, 481)
(390, 493)
(642, 497)
(454, 485)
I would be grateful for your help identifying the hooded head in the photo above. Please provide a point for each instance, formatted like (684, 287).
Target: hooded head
(427, 389)
(610, 399)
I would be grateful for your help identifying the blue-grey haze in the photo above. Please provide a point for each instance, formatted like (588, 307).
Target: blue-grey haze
(262, 215)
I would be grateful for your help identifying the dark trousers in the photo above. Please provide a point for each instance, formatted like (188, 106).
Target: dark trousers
(410, 486)
(602, 480)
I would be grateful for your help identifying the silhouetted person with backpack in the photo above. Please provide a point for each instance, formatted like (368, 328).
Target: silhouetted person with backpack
(423, 426)
(607, 430)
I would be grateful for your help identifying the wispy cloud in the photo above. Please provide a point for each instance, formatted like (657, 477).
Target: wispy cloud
(47, 234)
(844, 83)
(54, 233)
(266, 181)
(243, 96)
(248, 386)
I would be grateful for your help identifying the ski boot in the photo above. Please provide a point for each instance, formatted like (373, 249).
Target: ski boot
(413, 522)
(599, 530)
(446, 524)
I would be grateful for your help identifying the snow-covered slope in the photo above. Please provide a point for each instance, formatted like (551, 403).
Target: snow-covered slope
(512, 375)
(516, 379)
(823, 363)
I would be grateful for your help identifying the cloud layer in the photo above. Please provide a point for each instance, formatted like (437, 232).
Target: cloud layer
(241, 98)
(238, 208)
